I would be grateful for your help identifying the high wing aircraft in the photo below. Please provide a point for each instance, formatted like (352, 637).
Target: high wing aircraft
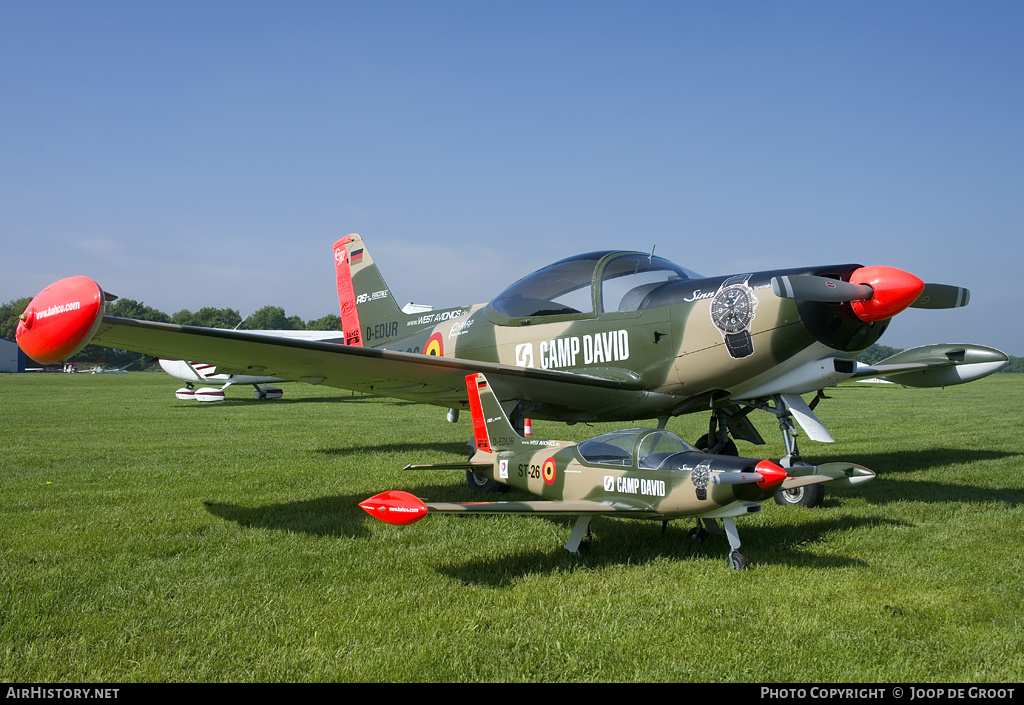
(601, 336)
(641, 473)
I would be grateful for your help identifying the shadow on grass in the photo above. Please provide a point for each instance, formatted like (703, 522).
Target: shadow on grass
(325, 516)
(616, 543)
(339, 515)
(926, 459)
(894, 483)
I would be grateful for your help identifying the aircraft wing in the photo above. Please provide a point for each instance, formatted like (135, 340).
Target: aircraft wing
(550, 507)
(400, 507)
(410, 376)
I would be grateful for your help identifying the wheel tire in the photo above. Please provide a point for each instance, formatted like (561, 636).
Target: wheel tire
(809, 496)
(737, 561)
(582, 551)
(483, 484)
(729, 448)
(698, 535)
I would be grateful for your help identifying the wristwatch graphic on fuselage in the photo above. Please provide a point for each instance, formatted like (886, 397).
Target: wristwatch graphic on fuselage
(732, 311)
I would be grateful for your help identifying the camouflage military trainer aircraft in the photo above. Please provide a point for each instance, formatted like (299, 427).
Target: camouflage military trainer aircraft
(642, 473)
(602, 336)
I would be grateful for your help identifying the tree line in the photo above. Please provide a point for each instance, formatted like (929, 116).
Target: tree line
(266, 318)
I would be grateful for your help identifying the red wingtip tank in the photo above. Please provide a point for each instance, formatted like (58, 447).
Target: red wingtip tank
(61, 319)
(395, 507)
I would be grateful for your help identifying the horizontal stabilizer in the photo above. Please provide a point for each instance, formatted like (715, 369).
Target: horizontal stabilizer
(465, 465)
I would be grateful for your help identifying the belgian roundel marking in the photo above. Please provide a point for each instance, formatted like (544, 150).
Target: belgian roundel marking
(435, 345)
(549, 471)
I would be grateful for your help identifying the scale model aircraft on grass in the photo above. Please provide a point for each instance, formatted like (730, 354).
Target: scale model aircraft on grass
(602, 336)
(641, 473)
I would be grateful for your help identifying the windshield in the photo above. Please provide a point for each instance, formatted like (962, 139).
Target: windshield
(651, 446)
(562, 288)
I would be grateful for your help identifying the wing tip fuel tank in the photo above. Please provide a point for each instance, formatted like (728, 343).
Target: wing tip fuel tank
(395, 507)
(61, 319)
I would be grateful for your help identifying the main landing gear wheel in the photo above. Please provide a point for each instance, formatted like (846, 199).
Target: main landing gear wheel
(737, 561)
(582, 550)
(728, 448)
(698, 534)
(809, 496)
(483, 484)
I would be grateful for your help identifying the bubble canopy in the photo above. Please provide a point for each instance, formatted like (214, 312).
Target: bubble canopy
(647, 448)
(595, 282)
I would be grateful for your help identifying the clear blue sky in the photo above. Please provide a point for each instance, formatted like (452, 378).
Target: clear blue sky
(191, 154)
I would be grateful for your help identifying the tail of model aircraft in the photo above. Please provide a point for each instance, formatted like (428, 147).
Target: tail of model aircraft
(373, 298)
(370, 316)
(492, 431)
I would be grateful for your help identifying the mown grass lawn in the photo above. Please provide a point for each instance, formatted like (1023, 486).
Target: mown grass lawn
(151, 539)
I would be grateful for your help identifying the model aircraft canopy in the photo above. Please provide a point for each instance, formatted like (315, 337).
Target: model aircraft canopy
(649, 447)
(592, 282)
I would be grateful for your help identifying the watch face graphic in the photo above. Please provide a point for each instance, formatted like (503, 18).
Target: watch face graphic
(732, 311)
(700, 476)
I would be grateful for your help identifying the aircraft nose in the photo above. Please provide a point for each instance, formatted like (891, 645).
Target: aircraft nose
(893, 290)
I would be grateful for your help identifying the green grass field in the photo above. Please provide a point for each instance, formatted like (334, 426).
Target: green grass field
(151, 539)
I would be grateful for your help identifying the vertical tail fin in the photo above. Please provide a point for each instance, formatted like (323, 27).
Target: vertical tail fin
(370, 316)
(369, 313)
(492, 431)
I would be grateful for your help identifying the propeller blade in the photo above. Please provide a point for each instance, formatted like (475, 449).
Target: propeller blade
(874, 293)
(807, 287)
(942, 296)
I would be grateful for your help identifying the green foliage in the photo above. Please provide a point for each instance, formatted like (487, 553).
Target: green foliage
(331, 321)
(9, 313)
(272, 318)
(130, 308)
(208, 317)
(1016, 365)
(876, 353)
(148, 539)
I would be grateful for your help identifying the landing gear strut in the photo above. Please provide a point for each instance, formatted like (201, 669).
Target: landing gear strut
(699, 534)
(809, 496)
(718, 441)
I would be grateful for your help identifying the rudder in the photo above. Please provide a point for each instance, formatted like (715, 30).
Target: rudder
(366, 304)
